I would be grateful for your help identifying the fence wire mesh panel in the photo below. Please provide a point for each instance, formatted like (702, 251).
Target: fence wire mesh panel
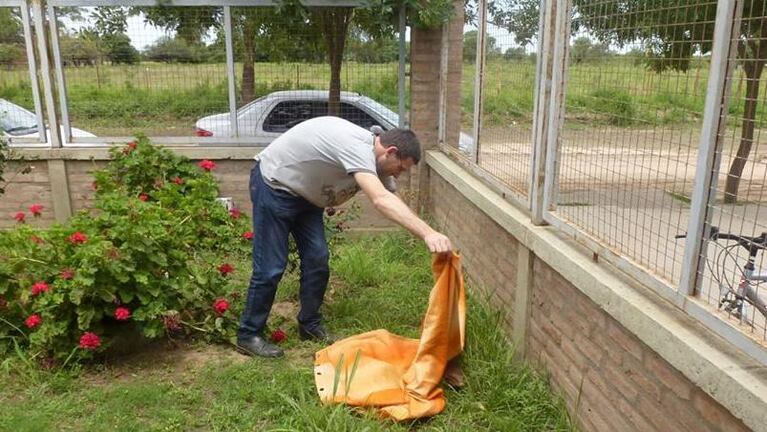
(634, 106)
(165, 71)
(141, 70)
(291, 76)
(468, 79)
(731, 272)
(18, 122)
(505, 143)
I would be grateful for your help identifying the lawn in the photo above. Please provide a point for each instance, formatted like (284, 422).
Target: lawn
(378, 282)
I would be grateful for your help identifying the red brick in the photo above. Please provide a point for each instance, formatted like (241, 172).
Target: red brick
(670, 377)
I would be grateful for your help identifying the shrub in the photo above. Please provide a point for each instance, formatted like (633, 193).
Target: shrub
(150, 253)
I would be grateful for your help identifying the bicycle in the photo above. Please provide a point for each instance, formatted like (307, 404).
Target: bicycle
(735, 301)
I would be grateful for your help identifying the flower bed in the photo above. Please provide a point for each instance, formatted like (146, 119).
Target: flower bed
(151, 252)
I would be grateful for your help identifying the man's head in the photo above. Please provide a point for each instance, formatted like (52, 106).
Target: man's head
(396, 150)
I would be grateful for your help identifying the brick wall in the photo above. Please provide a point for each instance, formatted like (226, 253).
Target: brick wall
(24, 190)
(232, 176)
(610, 380)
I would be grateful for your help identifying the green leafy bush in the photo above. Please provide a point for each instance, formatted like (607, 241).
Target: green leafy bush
(151, 256)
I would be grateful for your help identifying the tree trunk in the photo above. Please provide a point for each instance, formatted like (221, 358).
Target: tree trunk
(335, 25)
(753, 68)
(247, 92)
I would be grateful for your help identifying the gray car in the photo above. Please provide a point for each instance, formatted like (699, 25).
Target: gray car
(268, 117)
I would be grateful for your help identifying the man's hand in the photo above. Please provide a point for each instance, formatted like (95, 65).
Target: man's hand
(438, 243)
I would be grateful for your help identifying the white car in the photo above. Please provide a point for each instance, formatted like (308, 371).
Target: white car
(269, 116)
(17, 122)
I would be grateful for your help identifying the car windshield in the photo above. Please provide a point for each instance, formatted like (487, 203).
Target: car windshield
(381, 110)
(15, 120)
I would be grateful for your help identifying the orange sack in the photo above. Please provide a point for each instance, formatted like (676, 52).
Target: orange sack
(397, 375)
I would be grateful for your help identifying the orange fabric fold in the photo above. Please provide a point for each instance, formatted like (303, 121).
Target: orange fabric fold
(400, 376)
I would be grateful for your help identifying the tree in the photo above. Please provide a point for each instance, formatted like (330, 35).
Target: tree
(583, 50)
(171, 50)
(268, 31)
(470, 46)
(672, 34)
(79, 50)
(515, 53)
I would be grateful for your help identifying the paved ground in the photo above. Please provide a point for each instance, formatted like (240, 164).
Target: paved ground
(631, 189)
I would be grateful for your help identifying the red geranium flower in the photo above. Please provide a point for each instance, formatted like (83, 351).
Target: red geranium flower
(67, 274)
(143, 197)
(225, 269)
(130, 147)
(20, 216)
(278, 336)
(122, 313)
(220, 306)
(78, 238)
(90, 341)
(178, 180)
(33, 321)
(36, 209)
(36, 239)
(40, 287)
(248, 235)
(207, 165)
(235, 213)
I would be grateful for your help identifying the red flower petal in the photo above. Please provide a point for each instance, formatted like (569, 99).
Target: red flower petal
(36, 209)
(278, 336)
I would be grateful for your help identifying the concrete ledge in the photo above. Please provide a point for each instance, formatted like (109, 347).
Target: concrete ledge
(102, 153)
(735, 380)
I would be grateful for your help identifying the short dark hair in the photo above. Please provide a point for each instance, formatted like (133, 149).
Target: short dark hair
(405, 141)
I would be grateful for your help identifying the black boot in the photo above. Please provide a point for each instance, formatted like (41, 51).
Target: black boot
(317, 334)
(258, 346)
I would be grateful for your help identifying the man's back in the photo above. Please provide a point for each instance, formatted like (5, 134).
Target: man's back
(316, 159)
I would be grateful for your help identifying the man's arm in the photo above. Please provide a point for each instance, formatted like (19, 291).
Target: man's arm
(393, 208)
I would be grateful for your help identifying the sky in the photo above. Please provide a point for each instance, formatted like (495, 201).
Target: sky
(143, 35)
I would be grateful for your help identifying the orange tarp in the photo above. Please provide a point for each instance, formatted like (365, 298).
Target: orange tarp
(397, 375)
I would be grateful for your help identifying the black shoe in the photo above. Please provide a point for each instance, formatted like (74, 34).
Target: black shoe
(317, 334)
(258, 346)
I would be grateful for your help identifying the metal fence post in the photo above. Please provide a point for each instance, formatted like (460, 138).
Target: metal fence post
(401, 67)
(545, 51)
(556, 114)
(45, 68)
(234, 130)
(444, 52)
(479, 78)
(58, 68)
(726, 27)
(33, 81)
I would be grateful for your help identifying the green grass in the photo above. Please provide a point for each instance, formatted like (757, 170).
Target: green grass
(381, 282)
(151, 96)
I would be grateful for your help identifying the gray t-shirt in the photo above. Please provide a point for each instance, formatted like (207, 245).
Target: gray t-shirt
(316, 159)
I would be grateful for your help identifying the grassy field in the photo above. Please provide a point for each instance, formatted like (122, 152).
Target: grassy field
(378, 282)
(166, 99)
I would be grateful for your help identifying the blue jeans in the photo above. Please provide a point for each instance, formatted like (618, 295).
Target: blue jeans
(275, 215)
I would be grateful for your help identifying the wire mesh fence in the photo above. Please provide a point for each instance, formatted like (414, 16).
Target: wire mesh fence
(634, 106)
(164, 71)
(732, 272)
(503, 146)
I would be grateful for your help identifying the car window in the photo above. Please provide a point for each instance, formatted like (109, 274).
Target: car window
(287, 114)
(357, 116)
